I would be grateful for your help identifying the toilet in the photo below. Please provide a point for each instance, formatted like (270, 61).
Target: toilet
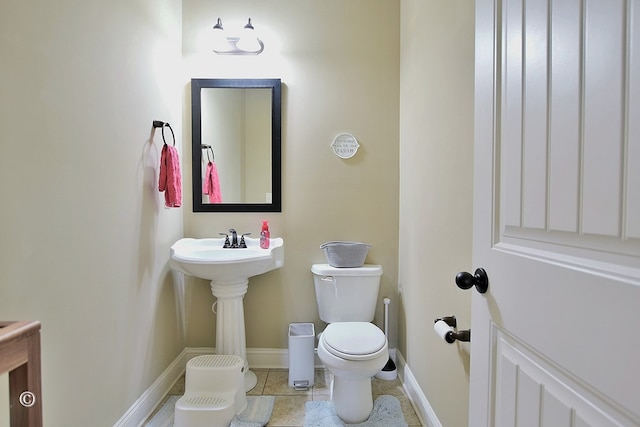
(351, 347)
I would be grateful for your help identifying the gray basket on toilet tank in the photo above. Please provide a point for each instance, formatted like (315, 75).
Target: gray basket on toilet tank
(345, 254)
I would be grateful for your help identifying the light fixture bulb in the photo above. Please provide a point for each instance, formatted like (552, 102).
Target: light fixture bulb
(248, 41)
(219, 40)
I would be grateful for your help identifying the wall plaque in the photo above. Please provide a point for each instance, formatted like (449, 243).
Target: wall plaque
(345, 145)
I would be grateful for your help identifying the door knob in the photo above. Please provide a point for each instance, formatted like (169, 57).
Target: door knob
(480, 280)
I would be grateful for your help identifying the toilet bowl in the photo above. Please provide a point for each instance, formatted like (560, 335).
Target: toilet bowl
(353, 352)
(350, 347)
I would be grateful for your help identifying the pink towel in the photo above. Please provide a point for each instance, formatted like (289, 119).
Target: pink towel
(211, 184)
(170, 180)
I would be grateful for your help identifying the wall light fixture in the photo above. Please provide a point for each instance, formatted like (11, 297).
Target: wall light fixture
(245, 44)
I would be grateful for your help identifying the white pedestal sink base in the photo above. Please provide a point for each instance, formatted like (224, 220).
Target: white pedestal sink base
(250, 380)
(230, 329)
(229, 271)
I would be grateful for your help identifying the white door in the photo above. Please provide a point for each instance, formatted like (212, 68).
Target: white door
(556, 338)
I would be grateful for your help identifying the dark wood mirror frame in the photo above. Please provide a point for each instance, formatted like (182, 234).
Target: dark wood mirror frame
(196, 144)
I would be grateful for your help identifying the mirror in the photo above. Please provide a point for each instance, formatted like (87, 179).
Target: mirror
(235, 144)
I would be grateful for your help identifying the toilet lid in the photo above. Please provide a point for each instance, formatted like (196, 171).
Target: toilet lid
(353, 338)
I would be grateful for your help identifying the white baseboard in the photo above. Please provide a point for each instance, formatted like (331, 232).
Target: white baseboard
(420, 403)
(151, 398)
(263, 358)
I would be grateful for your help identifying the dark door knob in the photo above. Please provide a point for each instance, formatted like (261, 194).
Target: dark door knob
(480, 280)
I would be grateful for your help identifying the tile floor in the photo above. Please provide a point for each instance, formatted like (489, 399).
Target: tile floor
(288, 410)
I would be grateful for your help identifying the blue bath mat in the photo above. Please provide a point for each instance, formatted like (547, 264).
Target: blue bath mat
(386, 412)
(164, 416)
(256, 414)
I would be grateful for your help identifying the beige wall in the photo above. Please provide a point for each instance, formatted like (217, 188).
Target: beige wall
(84, 236)
(436, 161)
(340, 74)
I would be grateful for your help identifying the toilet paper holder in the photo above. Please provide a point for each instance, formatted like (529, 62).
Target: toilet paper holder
(448, 332)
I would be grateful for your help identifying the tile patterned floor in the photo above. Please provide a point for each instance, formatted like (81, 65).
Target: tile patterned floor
(288, 410)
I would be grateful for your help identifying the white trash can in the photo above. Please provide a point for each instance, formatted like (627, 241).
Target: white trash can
(301, 358)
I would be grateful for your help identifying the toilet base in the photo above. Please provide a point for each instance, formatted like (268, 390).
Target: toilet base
(352, 398)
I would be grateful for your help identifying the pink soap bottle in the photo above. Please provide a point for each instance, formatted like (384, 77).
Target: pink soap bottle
(265, 235)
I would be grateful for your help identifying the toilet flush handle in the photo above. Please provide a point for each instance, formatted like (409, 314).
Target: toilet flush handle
(333, 281)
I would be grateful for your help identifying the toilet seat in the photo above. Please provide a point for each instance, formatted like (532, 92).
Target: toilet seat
(354, 340)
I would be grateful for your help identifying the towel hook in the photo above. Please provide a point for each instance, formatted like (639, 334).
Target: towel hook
(209, 149)
(160, 124)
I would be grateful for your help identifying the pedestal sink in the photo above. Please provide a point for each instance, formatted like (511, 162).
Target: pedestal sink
(229, 271)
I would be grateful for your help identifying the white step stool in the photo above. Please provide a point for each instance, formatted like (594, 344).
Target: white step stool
(214, 392)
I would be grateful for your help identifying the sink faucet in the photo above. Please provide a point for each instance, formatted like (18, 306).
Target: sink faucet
(234, 238)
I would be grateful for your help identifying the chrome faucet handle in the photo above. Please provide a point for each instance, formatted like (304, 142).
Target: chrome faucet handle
(226, 244)
(243, 244)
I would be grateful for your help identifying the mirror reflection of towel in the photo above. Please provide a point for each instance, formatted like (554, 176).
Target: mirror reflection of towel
(211, 184)
(170, 180)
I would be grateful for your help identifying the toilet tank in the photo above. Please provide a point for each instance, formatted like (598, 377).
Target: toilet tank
(346, 294)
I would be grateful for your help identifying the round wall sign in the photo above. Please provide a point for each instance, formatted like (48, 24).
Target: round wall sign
(345, 145)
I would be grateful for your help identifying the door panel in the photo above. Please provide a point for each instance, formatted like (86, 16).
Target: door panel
(556, 213)
(534, 393)
(564, 125)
